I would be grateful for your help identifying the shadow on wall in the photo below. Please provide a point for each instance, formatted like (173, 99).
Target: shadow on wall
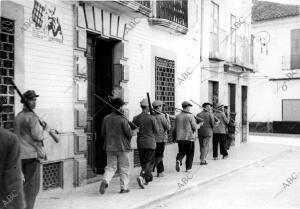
(284, 127)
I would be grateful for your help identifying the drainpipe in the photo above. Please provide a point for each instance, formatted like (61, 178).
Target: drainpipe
(201, 28)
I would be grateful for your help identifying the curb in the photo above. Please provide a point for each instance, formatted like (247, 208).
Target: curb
(208, 180)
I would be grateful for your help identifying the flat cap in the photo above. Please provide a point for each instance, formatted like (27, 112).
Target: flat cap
(157, 103)
(30, 94)
(186, 104)
(144, 102)
(219, 105)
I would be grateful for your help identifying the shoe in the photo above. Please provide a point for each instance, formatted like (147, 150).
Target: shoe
(124, 191)
(225, 156)
(177, 165)
(189, 171)
(203, 163)
(140, 182)
(160, 175)
(103, 187)
(215, 158)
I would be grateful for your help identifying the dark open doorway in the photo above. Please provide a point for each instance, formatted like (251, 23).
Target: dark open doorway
(100, 84)
(244, 113)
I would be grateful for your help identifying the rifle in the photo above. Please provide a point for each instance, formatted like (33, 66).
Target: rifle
(215, 118)
(198, 119)
(42, 123)
(149, 103)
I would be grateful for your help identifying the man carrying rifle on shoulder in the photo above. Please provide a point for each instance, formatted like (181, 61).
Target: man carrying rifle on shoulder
(164, 125)
(117, 133)
(30, 133)
(146, 143)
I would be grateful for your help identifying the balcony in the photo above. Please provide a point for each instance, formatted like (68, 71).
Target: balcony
(171, 15)
(217, 46)
(242, 52)
(291, 62)
(136, 7)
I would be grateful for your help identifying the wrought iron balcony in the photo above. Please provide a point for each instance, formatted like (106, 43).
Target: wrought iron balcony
(217, 45)
(142, 7)
(171, 14)
(291, 62)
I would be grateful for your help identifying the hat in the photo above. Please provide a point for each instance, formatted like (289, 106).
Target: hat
(157, 103)
(186, 104)
(30, 94)
(219, 106)
(144, 103)
(206, 103)
(225, 106)
(117, 103)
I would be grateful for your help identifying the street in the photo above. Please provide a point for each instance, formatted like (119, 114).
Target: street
(275, 183)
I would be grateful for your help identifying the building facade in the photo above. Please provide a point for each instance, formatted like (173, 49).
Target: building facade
(78, 54)
(277, 60)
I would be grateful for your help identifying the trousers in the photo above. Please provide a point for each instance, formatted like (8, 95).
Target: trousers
(186, 148)
(31, 171)
(219, 140)
(159, 154)
(204, 147)
(147, 158)
(117, 161)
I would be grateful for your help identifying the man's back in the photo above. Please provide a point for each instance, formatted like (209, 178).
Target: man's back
(147, 130)
(185, 126)
(208, 123)
(11, 188)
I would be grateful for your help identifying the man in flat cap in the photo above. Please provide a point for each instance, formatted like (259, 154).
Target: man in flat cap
(219, 133)
(206, 131)
(30, 134)
(161, 137)
(146, 143)
(185, 127)
(117, 134)
(11, 189)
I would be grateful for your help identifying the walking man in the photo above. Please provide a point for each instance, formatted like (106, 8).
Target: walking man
(146, 143)
(30, 134)
(231, 129)
(206, 131)
(163, 123)
(226, 128)
(11, 185)
(219, 133)
(185, 127)
(117, 134)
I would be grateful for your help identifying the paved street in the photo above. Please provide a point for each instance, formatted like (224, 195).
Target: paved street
(262, 185)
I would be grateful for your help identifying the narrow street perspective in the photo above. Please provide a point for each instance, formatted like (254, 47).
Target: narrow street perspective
(131, 104)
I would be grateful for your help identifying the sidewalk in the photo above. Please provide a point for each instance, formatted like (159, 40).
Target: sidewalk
(88, 196)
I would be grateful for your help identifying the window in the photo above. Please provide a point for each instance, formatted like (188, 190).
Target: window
(215, 18)
(295, 49)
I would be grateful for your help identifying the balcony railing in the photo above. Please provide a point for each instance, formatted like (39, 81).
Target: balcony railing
(217, 45)
(242, 52)
(145, 3)
(291, 62)
(138, 7)
(171, 14)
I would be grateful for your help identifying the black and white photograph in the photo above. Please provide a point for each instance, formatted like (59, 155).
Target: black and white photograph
(151, 104)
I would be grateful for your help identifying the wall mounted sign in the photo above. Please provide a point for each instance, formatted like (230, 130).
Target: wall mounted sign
(47, 22)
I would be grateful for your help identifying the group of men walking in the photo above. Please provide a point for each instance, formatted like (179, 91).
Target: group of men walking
(152, 134)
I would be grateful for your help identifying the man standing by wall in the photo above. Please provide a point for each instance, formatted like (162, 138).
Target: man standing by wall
(185, 127)
(206, 131)
(163, 122)
(11, 185)
(146, 143)
(30, 134)
(117, 134)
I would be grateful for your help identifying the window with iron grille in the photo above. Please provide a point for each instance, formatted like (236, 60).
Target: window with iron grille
(7, 72)
(52, 175)
(165, 85)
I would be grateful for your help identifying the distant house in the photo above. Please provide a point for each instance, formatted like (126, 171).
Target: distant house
(274, 95)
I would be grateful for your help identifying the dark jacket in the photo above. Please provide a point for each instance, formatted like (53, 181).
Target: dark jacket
(208, 124)
(163, 127)
(221, 127)
(30, 134)
(185, 127)
(117, 133)
(147, 129)
(11, 185)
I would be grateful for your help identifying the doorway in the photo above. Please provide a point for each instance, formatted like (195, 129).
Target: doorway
(244, 113)
(100, 84)
(213, 92)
